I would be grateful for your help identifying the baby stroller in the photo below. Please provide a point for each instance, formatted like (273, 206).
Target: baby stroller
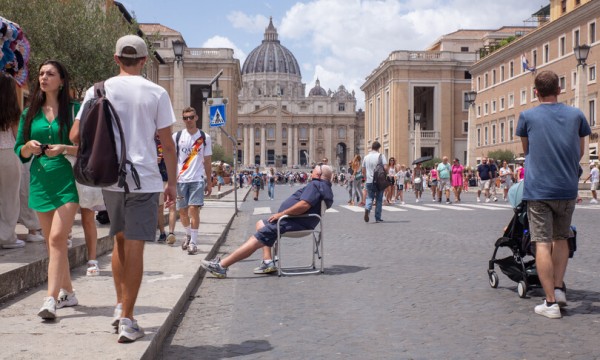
(520, 266)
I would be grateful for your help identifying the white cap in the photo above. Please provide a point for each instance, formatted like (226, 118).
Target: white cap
(134, 41)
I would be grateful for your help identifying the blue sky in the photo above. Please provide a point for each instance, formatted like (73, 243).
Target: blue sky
(337, 41)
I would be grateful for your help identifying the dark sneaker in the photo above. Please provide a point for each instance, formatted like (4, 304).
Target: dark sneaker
(379, 221)
(366, 215)
(162, 238)
(48, 309)
(192, 249)
(185, 244)
(129, 331)
(266, 267)
(171, 239)
(214, 268)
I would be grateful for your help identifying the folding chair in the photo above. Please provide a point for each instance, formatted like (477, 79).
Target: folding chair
(317, 245)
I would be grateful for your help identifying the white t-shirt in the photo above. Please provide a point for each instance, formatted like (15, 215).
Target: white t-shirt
(192, 159)
(143, 107)
(595, 175)
(369, 163)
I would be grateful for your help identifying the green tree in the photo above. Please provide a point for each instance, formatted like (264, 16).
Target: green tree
(219, 154)
(431, 163)
(502, 155)
(81, 34)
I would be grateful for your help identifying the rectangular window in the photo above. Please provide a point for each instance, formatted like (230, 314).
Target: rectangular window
(562, 45)
(573, 80)
(485, 136)
(494, 77)
(256, 134)
(387, 111)
(493, 133)
(546, 53)
(493, 106)
(523, 96)
(377, 116)
(341, 133)
(485, 81)
(511, 129)
(533, 94)
(511, 100)
(284, 107)
(303, 108)
(486, 108)
(592, 32)
(534, 58)
(465, 128)
(511, 69)
(501, 72)
(592, 114)
(239, 133)
(465, 102)
(575, 37)
(501, 103)
(478, 83)
(562, 81)
(320, 108)
(464, 49)
(502, 128)
(271, 133)
(270, 157)
(256, 107)
(592, 73)
(478, 137)
(303, 133)
(341, 107)
(478, 110)
(284, 134)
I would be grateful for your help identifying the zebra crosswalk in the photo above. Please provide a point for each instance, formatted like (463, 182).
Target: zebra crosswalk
(421, 207)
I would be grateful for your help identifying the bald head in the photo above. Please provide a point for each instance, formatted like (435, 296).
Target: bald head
(324, 172)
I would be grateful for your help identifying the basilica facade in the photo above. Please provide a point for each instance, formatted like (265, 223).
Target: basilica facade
(279, 125)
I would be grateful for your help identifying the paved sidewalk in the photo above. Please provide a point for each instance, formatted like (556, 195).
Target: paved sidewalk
(85, 331)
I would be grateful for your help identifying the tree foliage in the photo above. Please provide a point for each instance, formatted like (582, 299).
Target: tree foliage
(431, 163)
(502, 155)
(218, 154)
(81, 34)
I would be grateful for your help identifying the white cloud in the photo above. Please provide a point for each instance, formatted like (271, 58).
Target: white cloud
(344, 40)
(223, 42)
(253, 24)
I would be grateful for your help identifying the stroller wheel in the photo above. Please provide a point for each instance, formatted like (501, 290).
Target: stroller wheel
(522, 289)
(493, 279)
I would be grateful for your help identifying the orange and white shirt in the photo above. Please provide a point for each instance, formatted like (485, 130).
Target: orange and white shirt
(192, 151)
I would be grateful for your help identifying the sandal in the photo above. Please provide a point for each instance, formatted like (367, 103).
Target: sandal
(93, 269)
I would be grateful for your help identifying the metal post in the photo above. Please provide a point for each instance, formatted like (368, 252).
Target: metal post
(235, 188)
(580, 102)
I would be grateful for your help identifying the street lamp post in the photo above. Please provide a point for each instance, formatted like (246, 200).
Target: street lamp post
(417, 118)
(470, 98)
(178, 91)
(581, 53)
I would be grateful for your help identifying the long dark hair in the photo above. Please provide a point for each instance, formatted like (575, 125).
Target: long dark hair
(9, 105)
(39, 98)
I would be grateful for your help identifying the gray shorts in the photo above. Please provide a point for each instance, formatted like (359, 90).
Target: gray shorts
(550, 219)
(444, 184)
(133, 214)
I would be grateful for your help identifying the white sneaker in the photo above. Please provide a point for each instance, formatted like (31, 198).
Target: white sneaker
(17, 244)
(593, 201)
(66, 299)
(403, 203)
(487, 200)
(417, 200)
(48, 310)
(552, 312)
(560, 297)
(495, 199)
(129, 331)
(117, 315)
(36, 237)
(478, 200)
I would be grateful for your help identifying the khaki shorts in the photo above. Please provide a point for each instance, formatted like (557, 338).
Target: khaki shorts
(550, 219)
(594, 186)
(484, 185)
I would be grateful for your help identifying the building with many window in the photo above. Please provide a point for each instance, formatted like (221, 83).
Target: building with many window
(415, 101)
(280, 125)
(504, 79)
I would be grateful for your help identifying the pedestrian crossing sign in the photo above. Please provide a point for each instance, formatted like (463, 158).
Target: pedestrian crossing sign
(217, 115)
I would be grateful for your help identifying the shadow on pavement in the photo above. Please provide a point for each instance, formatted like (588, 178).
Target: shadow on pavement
(210, 352)
(343, 269)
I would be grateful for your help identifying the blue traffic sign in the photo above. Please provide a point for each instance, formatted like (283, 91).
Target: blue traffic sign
(217, 115)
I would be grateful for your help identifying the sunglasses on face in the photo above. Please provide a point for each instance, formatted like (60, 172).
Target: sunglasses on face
(191, 117)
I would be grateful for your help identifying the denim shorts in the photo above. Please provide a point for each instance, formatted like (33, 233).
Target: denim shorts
(190, 194)
(550, 219)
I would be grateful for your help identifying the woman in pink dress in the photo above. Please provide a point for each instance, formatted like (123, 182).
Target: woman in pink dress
(457, 179)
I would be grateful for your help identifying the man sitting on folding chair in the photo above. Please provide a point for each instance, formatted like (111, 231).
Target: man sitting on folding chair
(304, 201)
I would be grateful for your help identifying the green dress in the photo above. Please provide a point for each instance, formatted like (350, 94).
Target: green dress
(52, 183)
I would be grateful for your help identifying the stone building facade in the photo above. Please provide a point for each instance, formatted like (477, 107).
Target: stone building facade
(279, 125)
(505, 86)
(433, 84)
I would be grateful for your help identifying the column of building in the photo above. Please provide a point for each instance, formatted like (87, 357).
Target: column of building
(290, 146)
(296, 147)
(263, 146)
(329, 151)
(311, 145)
(246, 134)
(251, 145)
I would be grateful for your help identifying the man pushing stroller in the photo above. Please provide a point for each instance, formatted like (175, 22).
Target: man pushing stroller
(553, 138)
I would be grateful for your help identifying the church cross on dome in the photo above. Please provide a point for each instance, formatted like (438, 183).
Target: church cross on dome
(271, 32)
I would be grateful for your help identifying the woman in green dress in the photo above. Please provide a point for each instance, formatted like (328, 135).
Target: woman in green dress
(43, 138)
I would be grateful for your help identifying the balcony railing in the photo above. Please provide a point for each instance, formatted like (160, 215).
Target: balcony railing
(427, 135)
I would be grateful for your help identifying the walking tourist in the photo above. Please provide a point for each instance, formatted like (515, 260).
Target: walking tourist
(457, 179)
(594, 178)
(445, 174)
(484, 176)
(368, 168)
(506, 177)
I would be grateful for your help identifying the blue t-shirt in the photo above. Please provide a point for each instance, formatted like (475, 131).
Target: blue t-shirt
(444, 170)
(484, 171)
(313, 193)
(553, 132)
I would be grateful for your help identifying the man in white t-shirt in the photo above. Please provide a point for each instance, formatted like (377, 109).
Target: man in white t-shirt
(144, 109)
(194, 154)
(594, 177)
(368, 168)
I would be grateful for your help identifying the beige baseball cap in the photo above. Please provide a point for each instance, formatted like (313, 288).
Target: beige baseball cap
(134, 41)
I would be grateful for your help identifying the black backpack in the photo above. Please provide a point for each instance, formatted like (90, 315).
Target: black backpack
(97, 163)
(379, 176)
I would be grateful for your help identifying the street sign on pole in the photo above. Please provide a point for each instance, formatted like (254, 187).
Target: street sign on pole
(217, 115)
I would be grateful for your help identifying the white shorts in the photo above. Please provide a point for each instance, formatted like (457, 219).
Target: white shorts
(594, 186)
(484, 185)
